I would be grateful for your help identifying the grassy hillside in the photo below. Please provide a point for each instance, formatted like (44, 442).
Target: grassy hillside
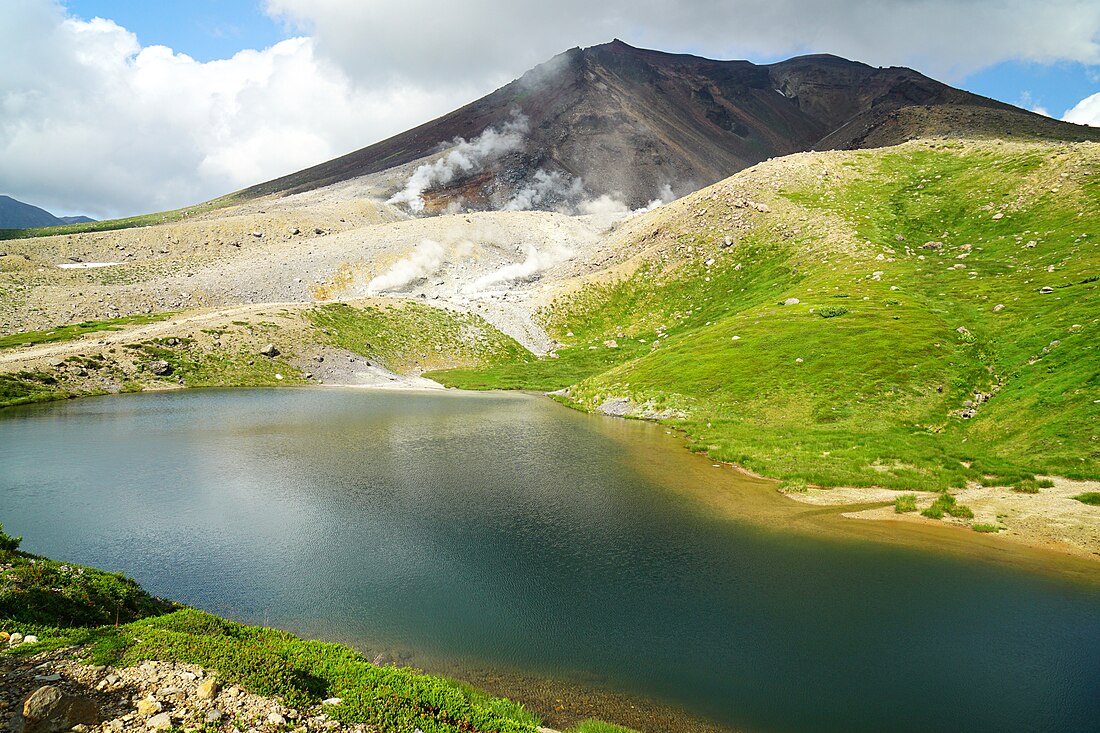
(921, 351)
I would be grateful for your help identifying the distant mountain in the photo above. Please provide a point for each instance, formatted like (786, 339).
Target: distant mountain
(18, 215)
(632, 123)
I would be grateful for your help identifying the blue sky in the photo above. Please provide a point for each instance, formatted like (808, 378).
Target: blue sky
(163, 104)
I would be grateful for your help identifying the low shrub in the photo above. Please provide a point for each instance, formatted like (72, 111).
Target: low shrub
(905, 503)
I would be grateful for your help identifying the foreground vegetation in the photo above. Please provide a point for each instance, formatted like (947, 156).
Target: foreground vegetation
(122, 625)
(916, 317)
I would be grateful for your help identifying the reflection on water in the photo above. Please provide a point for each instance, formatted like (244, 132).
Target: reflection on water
(503, 531)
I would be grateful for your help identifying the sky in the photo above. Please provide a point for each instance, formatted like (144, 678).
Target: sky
(119, 107)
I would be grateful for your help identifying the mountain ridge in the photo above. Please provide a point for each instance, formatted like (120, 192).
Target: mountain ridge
(15, 214)
(628, 121)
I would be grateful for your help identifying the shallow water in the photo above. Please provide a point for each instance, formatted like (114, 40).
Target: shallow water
(503, 531)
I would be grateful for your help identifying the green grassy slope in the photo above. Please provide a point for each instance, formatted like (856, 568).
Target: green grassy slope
(866, 379)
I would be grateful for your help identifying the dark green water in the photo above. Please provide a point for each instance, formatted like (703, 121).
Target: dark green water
(507, 531)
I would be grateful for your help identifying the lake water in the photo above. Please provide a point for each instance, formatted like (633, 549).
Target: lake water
(506, 532)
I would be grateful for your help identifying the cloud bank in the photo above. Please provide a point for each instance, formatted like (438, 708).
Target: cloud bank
(92, 122)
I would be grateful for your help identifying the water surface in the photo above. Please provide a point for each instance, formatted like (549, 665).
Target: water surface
(503, 531)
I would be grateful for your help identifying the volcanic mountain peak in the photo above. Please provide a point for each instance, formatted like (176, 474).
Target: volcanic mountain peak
(625, 123)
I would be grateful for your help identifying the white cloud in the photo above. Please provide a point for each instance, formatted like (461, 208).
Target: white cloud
(91, 122)
(435, 43)
(1086, 112)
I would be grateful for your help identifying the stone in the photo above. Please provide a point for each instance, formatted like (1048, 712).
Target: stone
(213, 715)
(161, 721)
(207, 689)
(269, 351)
(932, 245)
(49, 710)
(160, 367)
(998, 216)
(258, 235)
(998, 308)
(1046, 290)
(15, 639)
(791, 301)
(111, 679)
(295, 231)
(30, 639)
(44, 677)
(148, 707)
(799, 360)
(963, 330)
(4, 636)
(332, 701)
(275, 719)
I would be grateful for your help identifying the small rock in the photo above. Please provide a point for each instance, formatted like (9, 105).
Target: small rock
(791, 301)
(932, 245)
(160, 367)
(279, 377)
(276, 719)
(269, 351)
(968, 403)
(332, 701)
(258, 235)
(160, 721)
(294, 231)
(213, 715)
(111, 679)
(148, 707)
(799, 360)
(32, 639)
(44, 677)
(208, 689)
(998, 216)
(15, 639)
(998, 308)
(963, 330)
(1046, 290)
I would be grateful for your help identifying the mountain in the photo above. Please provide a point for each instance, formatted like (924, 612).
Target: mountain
(631, 123)
(18, 215)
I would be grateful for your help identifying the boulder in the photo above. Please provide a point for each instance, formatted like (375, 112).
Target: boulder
(160, 367)
(15, 639)
(791, 301)
(998, 308)
(269, 351)
(49, 710)
(1046, 290)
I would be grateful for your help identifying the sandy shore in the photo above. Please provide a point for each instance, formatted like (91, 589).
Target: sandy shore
(1051, 519)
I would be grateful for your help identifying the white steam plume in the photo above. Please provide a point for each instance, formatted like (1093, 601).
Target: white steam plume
(551, 187)
(425, 259)
(535, 263)
(467, 156)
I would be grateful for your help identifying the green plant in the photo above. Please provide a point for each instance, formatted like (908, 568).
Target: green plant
(831, 311)
(1026, 486)
(8, 543)
(1091, 498)
(935, 511)
(985, 528)
(794, 486)
(905, 503)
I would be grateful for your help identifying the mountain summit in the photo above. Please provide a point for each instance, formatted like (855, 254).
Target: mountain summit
(635, 125)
